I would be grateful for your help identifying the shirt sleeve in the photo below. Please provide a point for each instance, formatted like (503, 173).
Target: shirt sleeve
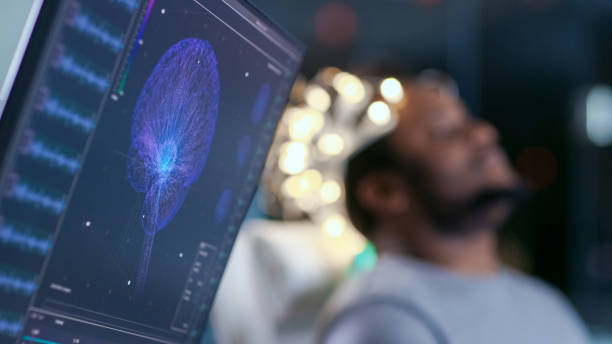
(380, 324)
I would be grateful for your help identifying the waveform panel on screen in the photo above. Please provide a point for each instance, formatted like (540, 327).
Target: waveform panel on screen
(10, 324)
(82, 71)
(69, 115)
(38, 197)
(172, 130)
(24, 238)
(15, 281)
(128, 5)
(98, 30)
(53, 154)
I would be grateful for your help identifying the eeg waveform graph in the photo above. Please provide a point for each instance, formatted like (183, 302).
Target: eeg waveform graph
(129, 5)
(10, 325)
(173, 126)
(53, 155)
(38, 197)
(67, 114)
(26, 239)
(15, 281)
(84, 74)
(87, 25)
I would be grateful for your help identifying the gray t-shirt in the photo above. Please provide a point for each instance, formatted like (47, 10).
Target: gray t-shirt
(404, 300)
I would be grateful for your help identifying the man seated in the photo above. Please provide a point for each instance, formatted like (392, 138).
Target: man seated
(430, 196)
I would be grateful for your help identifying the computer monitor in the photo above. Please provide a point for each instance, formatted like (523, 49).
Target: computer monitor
(131, 146)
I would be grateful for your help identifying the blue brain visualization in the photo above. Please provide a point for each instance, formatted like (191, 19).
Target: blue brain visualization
(172, 130)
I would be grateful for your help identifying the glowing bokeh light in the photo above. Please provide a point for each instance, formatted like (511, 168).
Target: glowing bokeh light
(307, 204)
(599, 115)
(317, 98)
(392, 90)
(331, 144)
(304, 123)
(334, 225)
(301, 185)
(293, 157)
(379, 113)
(349, 86)
(330, 191)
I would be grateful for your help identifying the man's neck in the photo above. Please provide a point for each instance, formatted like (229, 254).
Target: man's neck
(473, 254)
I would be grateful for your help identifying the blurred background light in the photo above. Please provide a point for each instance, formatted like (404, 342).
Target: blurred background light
(334, 225)
(312, 179)
(336, 24)
(379, 113)
(300, 185)
(304, 123)
(349, 86)
(599, 115)
(328, 73)
(307, 203)
(293, 158)
(392, 90)
(292, 187)
(331, 144)
(330, 191)
(317, 98)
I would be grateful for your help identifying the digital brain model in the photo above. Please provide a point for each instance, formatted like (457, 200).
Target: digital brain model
(173, 126)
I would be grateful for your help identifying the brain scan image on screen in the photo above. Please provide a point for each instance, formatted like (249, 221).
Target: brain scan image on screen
(150, 177)
(173, 126)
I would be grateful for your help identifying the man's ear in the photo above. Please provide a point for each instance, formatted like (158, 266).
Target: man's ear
(383, 193)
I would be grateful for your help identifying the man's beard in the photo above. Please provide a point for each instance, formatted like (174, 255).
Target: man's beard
(471, 213)
(460, 216)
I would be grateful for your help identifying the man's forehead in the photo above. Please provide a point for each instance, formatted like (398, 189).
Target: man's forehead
(429, 105)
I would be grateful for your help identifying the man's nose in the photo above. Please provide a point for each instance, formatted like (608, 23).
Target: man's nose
(482, 133)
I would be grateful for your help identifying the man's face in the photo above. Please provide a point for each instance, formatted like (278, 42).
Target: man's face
(459, 155)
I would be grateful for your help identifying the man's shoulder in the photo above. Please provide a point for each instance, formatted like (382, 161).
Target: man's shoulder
(554, 307)
(384, 279)
(533, 289)
(367, 309)
(416, 298)
(375, 302)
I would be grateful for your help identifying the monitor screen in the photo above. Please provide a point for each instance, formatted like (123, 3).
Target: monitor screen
(133, 156)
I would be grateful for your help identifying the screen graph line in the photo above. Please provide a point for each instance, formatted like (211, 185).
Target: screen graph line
(88, 25)
(69, 115)
(10, 325)
(128, 5)
(16, 281)
(27, 239)
(84, 74)
(38, 197)
(53, 154)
